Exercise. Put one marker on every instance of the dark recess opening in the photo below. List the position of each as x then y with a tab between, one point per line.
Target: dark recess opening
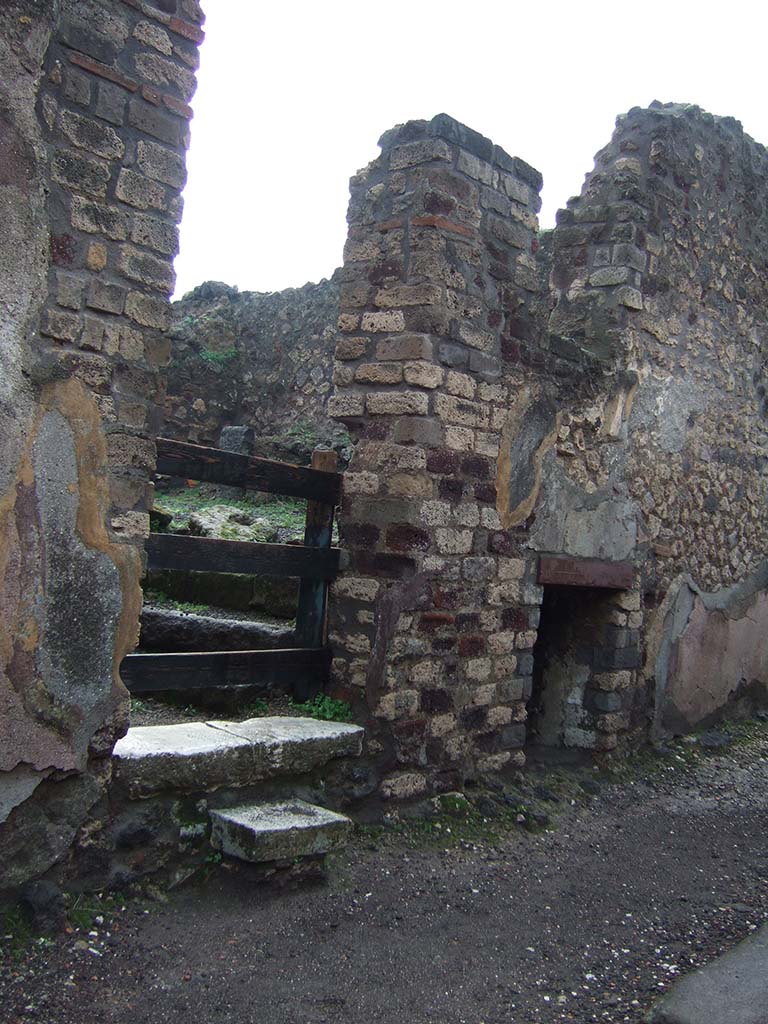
574	631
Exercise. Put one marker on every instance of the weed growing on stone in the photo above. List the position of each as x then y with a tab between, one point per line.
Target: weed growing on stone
325	708
256	709
16	933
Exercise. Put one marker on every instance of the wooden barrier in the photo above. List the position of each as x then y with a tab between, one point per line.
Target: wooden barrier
302	671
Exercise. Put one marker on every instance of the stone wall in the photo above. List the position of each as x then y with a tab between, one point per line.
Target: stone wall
93	127
262	360
596	397
682	287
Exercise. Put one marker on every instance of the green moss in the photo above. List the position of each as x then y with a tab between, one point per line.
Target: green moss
221	358
162	600
454	803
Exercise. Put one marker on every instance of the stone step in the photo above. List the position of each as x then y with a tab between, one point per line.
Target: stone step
732	989
277	831
164	629
199	757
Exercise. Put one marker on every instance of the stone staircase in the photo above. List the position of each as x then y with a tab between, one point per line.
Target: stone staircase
236	788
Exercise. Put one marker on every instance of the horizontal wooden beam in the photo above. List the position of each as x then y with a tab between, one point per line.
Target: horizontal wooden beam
196	462
585	572
291	670
206	554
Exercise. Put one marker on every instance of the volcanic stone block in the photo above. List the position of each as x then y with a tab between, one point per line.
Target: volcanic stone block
283	831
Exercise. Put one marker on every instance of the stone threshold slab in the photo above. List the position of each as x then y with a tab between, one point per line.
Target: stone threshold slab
730	990
203	756
277	831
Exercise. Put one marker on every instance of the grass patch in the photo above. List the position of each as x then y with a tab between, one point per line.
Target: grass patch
19	938
16	933
455	821
684	753
138	706
269	515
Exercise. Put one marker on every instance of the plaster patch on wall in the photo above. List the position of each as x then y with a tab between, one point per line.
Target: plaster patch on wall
608	530
667	410
528	434
707	651
70	597
23	251
571	522
82	586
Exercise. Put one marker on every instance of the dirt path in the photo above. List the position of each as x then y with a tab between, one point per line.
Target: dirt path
588	922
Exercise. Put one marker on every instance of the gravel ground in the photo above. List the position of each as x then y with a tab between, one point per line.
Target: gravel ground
641	880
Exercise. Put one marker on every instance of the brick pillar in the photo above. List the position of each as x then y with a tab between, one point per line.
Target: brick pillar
437	289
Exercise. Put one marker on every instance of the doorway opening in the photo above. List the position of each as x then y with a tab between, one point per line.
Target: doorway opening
583	656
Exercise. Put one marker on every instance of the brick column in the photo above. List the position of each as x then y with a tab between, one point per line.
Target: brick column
433	621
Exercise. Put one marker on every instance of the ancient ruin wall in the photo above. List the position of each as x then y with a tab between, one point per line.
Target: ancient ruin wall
261	360
609	409
94	122
679	291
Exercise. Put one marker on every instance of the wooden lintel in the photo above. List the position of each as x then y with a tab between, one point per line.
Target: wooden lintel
585	572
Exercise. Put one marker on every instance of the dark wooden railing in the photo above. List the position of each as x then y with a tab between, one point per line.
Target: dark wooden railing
302	670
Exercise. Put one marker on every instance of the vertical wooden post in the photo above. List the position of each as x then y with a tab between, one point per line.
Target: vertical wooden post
313	594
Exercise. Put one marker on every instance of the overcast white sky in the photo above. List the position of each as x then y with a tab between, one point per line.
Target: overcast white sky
293	96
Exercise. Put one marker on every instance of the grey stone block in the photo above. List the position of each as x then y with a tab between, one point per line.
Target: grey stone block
488	368
453	355
609	660
525	664
236	439
607	701
512	736
110	103
281	831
